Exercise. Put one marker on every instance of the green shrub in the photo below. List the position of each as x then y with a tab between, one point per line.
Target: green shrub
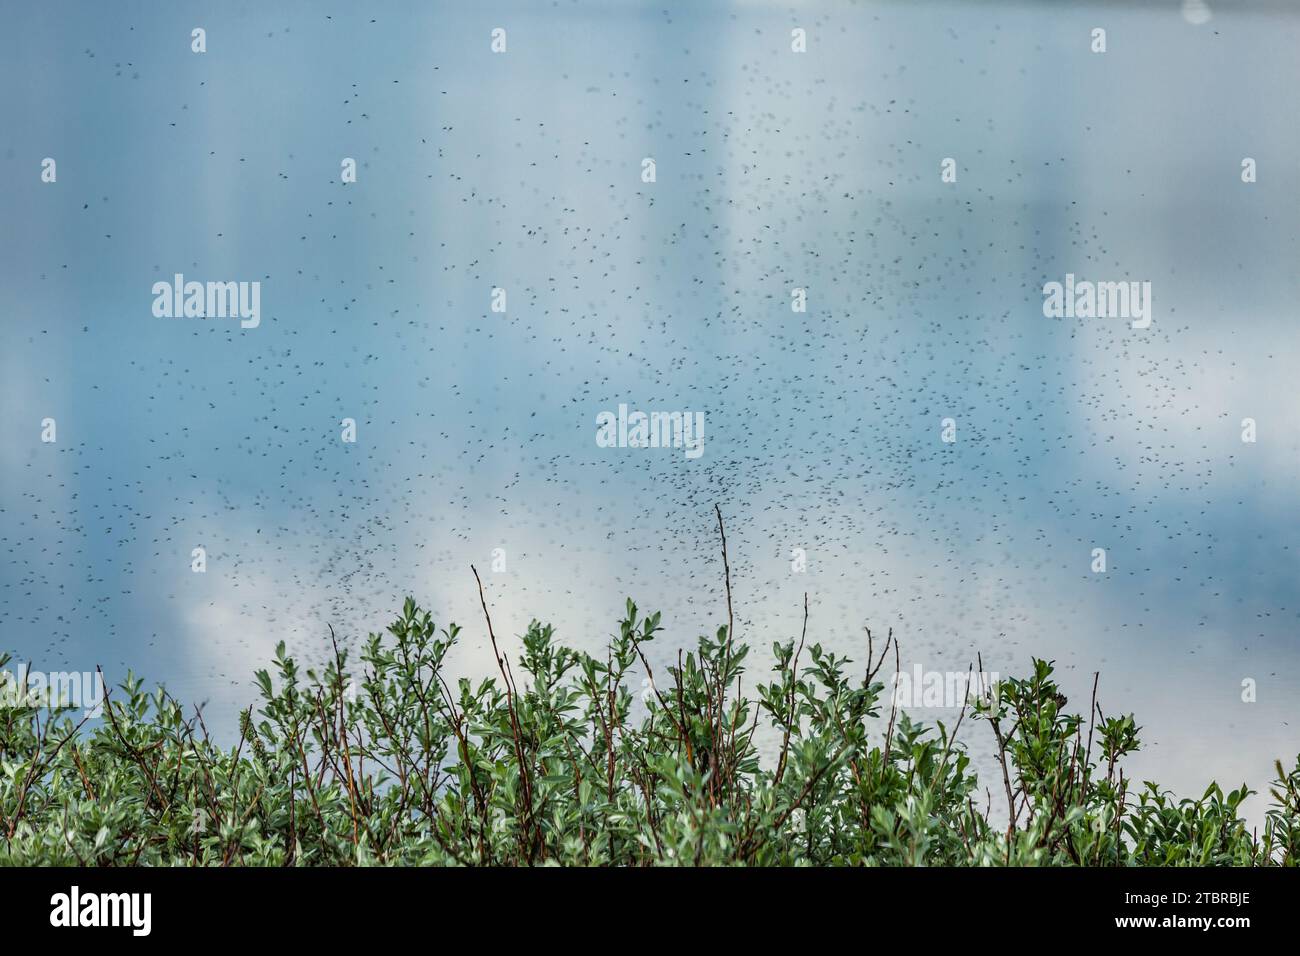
401	763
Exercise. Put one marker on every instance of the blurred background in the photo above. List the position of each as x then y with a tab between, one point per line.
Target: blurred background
774	170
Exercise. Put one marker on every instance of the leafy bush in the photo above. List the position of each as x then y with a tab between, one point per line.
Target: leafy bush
402	763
